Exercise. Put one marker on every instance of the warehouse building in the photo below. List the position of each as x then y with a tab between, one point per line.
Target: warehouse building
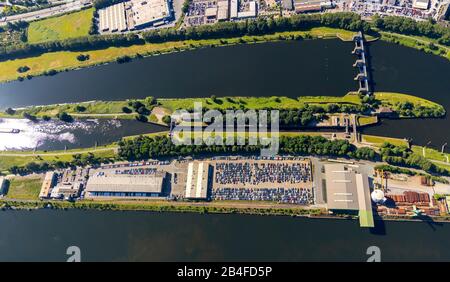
149	12
113	18
421	4
198	180
103	185
49	181
345	189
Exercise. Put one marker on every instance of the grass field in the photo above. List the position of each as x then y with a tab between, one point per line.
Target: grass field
391	99
9	158
25	188
431	154
71	25
65	60
378	140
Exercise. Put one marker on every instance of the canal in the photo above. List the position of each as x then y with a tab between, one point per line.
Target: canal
298	68
147	236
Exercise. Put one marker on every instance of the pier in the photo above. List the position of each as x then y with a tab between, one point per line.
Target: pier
362	64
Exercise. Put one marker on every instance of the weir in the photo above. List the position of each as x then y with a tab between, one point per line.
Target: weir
361	64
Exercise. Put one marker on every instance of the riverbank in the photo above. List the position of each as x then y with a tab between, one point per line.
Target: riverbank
424	44
67	60
260	209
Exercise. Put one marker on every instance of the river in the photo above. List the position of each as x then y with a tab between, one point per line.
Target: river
288	68
44	235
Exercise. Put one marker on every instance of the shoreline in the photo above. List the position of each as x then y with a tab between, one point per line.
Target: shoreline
175	207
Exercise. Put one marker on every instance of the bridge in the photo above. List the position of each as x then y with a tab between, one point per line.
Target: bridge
362	64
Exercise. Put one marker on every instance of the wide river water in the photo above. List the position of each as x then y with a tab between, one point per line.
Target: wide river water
147	236
314	67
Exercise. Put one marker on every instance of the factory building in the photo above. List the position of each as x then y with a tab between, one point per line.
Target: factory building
66	190
251	12
149	12
304	6
198	180
134	14
49	181
345	189
103	185
421	4
113	18
223	10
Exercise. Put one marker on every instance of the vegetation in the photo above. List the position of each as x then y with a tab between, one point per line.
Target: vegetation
403	156
404	25
379	140
83	57
63	27
399	170
410	106
24	188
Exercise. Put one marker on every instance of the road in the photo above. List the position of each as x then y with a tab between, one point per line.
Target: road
49	12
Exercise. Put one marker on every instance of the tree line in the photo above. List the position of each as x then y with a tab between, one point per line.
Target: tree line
409	26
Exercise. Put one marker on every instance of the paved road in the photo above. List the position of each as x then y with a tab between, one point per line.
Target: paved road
49	12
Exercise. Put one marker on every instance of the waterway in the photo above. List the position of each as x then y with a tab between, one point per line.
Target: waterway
298	68
146	236
58	135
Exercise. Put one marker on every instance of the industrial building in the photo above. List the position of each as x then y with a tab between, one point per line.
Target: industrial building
113	18
66	190
134	14
149	12
108	185
198	180
303	6
421	4
49	181
345	189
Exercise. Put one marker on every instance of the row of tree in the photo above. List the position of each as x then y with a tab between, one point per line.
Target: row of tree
409	26
145	147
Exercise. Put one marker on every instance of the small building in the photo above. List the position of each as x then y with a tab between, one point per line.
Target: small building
66	190
102	185
223	12
211	13
287	5
49	182
198	180
421	4
346	189
385	112
252	11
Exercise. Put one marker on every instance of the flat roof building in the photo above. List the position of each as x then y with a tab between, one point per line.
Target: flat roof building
197	180
66	190
124	186
346	189
421	4
112	18
251	12
49	181
223	10
148	12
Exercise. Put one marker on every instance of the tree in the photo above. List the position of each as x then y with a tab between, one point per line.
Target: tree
80	108
166	119
126	110
10	111
63	116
